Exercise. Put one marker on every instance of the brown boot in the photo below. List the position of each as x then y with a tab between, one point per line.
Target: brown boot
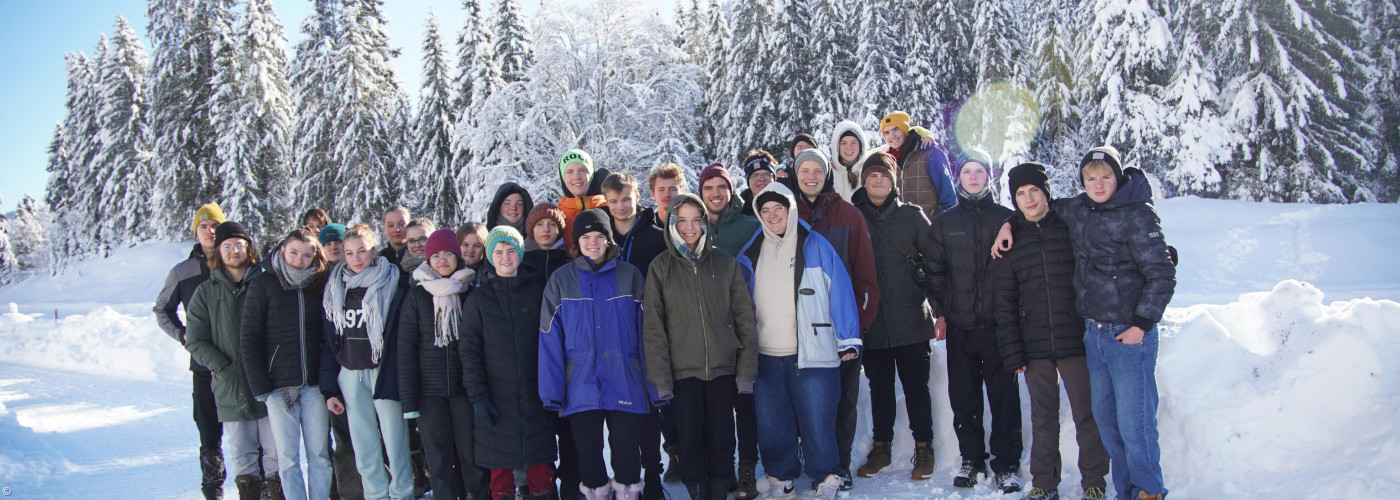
877	460
923	462
673	471
249	487
747	488
272	488
1142	495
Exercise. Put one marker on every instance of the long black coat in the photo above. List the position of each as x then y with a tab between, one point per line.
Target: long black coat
425	370
280	333
499	349
959	244
905	316
1034	294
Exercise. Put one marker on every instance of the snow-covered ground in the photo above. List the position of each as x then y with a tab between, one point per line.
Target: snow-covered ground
1277	371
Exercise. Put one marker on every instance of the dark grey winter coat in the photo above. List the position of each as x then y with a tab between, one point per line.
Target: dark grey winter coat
425	370
493	213
499	350
959	244
1123	272
1034	294
905	316
178	290
280	333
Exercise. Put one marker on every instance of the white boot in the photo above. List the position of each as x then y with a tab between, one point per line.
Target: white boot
770	487
603	492
828	488
627	491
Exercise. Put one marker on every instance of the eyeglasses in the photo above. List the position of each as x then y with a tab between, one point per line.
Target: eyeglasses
418	241
773	210
762	174
234	247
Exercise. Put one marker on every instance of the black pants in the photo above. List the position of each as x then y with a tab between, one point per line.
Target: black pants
446	426
912	364
651	441
624	438
746	426
703	412
211	433
347	477
974	362
567	472
846	412
668	426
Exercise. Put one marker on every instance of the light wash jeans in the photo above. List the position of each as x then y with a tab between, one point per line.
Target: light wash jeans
299	417
244	438
369	418
1123	381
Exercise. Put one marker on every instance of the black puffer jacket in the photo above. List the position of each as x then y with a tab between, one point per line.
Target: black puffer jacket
540	263
1034	294
425	370
905	316
959	243
644	242
280	333
493	214
499	349
1123	271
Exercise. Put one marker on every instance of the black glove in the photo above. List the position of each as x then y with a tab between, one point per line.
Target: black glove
486	412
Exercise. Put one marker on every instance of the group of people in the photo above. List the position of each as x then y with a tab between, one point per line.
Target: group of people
715	324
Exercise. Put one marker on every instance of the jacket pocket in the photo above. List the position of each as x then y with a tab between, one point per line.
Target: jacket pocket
818	343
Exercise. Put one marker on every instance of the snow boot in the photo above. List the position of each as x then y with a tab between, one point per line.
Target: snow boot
272	488
421	482
876	460
846	482
967	474
627	491
673	466
1094	493
603	492
249	487
923	462
653	490
1008	482
1042	494
827	489
211	483
745	487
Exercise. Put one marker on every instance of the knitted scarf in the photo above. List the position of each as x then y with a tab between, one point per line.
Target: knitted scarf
447	301
379	281
290	277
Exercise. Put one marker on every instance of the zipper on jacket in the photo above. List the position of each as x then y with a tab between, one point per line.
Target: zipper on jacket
704	331
301	326
1045	268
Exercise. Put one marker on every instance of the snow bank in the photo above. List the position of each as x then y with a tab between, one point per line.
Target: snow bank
25	459
102	342
127	282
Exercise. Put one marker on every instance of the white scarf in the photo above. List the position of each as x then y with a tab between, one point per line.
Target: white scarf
446	301
379	281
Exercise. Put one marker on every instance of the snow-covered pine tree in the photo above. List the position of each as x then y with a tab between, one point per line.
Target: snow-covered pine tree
365	98
432	178
795	65
995	120
71	160
29	234
835	33
943	61
714	80
1294	86
1126	62
512	42
1384	30
311	75
255	154
478	71
9	262
880	86
123	163
1201	138
750	107
1058	143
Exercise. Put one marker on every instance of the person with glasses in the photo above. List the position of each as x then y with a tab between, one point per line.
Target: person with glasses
212	338
759	168
416	242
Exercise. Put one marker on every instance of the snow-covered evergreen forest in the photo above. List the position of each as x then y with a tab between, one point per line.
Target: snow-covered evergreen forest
1263	100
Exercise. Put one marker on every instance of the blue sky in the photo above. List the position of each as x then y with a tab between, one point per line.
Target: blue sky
34	35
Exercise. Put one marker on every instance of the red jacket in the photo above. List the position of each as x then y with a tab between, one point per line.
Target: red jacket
844	226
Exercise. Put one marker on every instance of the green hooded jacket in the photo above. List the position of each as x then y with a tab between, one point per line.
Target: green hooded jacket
733	230
211	337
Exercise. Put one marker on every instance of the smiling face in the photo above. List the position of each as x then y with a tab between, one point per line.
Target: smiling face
395	224
576	179
1099	181
233	253
297	254
878	185
622	205
662	190
716	194
545	233
849	147
760	179
358	255
690	223
1031	200
332	251
417	240
594	245
513	208
810	177
505	259
472	249
444	262
894	136
973	177
774	216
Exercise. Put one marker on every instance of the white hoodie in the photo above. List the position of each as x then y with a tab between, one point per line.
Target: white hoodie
841	181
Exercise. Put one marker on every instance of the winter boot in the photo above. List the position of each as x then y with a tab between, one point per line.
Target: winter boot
746	485
1094	493
522	492
1143	495
272	488
923	462
876	460
771	488
1042	494
653	490
249	487
673	466
967	474
846	482
1008	482
421	482
603	492
827	489
627	491
211	465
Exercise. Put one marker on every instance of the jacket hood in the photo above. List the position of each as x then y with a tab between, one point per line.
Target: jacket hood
595	181
861	199
493	214
674	242
791	231
1136	191
841	129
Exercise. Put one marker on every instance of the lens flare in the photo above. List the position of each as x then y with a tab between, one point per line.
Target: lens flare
1001	118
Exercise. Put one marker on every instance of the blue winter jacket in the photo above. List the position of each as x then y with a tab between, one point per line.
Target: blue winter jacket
826	304
591	355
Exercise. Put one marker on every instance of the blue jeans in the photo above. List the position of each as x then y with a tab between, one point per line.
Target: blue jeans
1123	380
305	421
787	400
371	419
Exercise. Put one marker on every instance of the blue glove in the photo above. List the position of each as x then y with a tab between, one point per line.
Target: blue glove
486	412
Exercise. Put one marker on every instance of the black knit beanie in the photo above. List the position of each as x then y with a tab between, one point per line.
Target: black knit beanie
230	230
1032	173
592	220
